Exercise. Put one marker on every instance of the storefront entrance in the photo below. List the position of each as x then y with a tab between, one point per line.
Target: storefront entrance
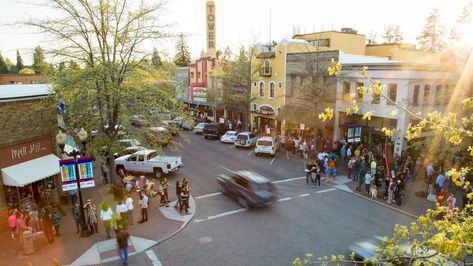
43	193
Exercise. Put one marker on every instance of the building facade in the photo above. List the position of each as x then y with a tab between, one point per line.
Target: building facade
29	167
417	88
6	79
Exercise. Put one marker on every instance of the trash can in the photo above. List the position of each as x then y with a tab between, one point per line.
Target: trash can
28	243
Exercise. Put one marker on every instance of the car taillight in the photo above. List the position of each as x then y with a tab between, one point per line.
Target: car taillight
168	166
252	191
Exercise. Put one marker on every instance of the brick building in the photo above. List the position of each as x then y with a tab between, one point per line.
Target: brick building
28	165
6	79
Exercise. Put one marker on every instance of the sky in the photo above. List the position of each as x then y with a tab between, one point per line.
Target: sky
243	22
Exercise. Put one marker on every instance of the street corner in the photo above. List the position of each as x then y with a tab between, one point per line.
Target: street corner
172	213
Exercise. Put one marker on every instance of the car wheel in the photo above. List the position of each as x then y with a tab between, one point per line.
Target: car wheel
243	203
158	173
256	154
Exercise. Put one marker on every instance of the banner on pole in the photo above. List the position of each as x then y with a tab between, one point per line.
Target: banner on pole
68	173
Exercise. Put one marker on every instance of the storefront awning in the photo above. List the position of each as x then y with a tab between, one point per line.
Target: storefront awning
30	171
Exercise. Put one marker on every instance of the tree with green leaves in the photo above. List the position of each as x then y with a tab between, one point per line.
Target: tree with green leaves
19	61
113	81
39	65
432	36
156	61
3	66
183	57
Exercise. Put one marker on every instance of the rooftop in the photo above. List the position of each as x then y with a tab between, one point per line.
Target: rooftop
12	92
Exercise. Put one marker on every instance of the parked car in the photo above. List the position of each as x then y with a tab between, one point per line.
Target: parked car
229	137
248	188
199	128
138	121
129	150
245	139
187	125
149	161
158	135
267	145
214	130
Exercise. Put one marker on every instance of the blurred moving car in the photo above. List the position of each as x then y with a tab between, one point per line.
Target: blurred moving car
229	137
248	188
199	128
214	130
245	139
267	145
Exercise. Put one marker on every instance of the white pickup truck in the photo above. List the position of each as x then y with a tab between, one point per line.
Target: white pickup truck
149	161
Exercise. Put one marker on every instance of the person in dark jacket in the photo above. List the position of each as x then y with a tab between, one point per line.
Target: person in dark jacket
122	242
178	194
309	169
47	223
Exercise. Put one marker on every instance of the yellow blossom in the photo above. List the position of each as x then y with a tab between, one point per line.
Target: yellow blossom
394	113
367	115
377	88
363	70
470	149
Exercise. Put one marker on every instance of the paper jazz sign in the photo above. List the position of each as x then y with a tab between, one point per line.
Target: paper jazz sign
68	173
25	151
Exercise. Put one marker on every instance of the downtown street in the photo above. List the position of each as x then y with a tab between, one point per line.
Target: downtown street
303	219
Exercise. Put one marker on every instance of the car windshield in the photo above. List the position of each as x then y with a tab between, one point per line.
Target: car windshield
264	143
153	154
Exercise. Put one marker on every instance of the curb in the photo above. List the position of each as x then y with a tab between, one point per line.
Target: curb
375	201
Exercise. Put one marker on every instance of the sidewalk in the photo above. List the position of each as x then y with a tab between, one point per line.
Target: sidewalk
70	248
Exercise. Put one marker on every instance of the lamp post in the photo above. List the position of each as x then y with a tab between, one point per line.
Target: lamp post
61	140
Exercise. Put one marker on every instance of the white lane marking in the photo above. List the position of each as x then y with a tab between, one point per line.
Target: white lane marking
152	256
273	158
209	195
250	153
233	146
288	180
303	195
284	199
326	190
225	214
217	141
199	220
226	168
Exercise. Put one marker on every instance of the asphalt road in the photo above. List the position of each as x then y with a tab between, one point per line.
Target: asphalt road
322	221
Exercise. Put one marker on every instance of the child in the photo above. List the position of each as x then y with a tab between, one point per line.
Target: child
391	188
373	189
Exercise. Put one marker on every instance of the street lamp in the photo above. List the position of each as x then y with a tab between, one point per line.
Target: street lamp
61	140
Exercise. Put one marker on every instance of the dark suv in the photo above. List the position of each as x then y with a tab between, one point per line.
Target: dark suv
214	130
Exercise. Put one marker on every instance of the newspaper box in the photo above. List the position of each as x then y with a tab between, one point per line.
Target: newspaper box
28	243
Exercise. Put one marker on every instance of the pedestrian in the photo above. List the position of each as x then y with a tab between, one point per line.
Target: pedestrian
144	207
12	223
309	169
441	197
185	194
34	219
129	208
56	222
77	216
418	167
361	175
21	227
397	192
451	201
343	152
46	219
122	211
318	174
164	186
122	242
288	147
429	177
105	172
106	215
350	165
373	166
367	182
391	188
333	166
178	195
439	182
91	216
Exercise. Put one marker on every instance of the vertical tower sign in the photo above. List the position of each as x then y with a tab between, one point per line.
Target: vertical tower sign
211	30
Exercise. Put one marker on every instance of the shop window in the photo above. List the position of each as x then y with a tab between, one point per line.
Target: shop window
261	89
271	90
426	94
415	97
346	91
392	90
359	95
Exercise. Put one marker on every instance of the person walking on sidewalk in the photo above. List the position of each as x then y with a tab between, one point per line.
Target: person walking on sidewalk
106	215
122	210
105	173
77	217
129	208
185	194
144	207
367	182
21	227
91	216
178	195
318	174
57	222
165	186
12	224
122	242
47	223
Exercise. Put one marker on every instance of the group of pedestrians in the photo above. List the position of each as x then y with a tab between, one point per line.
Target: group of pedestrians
182	193
45	221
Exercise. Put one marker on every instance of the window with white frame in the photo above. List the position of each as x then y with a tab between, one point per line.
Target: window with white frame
271	88
261	89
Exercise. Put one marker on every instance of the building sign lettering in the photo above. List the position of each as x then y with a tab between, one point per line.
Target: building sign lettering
211	34
26	151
